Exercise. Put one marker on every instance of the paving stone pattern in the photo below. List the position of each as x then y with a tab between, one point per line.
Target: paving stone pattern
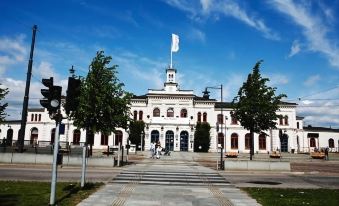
169	182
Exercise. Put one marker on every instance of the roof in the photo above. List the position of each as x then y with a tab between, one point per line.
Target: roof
11	122
288	103
202	98
139	97
223	105
36	109
299	118
320	129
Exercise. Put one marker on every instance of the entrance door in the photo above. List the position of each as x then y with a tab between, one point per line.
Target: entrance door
169	141
154	136
284	143
34	136
184	141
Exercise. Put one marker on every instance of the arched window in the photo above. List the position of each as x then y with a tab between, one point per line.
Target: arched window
286	120
156	112
76	137
204	117
234	120
199	117
183	113
135	115
281	121
220	118
34	136
104	139
155	136
221	139
36	117
140	115
331	143
248	141
32	117
118	137
298	125
312	142
39	117
262	142
170	112
234	141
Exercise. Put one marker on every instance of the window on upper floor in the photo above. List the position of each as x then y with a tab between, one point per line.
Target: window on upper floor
286	120
32	117
36	117
199	117
156	112
135	115
220	119
140	115
234	120
281	121
170	112
39	117
204	117
298	125
183	113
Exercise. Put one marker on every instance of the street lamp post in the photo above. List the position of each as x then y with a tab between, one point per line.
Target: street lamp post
141	135
222	166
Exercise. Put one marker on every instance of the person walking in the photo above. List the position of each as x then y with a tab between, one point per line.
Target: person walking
158	148
326	153
152	149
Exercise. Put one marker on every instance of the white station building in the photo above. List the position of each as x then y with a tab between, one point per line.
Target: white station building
170	116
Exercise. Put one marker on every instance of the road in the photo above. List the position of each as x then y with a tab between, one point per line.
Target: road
66	174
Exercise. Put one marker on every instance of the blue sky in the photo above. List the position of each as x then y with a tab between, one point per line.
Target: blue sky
220	41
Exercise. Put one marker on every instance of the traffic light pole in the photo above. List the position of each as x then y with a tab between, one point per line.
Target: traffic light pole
55	155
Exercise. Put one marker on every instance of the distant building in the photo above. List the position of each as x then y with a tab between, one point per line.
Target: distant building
170	116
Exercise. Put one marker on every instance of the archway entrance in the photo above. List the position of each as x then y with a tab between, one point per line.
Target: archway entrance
155	136
34	136
9	137
184	141
169	141
284	143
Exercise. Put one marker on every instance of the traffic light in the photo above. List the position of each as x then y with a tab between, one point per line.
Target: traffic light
52	96
73	93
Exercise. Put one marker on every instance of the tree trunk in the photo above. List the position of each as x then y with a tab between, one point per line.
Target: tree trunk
251	143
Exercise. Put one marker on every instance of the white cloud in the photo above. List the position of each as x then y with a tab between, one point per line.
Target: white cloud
12	52
229	8
314	29
295	48
278	79
196	34
310	81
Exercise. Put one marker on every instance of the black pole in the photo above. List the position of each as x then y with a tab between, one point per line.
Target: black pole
26	97
222	166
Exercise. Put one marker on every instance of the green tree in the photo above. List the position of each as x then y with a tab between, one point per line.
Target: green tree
3	93
136	128
256	105
202	137
103	103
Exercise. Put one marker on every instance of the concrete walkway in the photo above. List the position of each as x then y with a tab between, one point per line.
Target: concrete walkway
175	180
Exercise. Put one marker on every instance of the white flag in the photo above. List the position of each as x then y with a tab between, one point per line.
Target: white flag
175	43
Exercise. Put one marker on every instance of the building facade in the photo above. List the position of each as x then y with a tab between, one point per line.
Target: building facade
170	116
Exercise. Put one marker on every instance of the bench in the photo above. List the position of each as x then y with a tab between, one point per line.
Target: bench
275	154
231	154
318	155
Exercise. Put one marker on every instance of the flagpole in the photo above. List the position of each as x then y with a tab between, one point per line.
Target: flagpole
171	54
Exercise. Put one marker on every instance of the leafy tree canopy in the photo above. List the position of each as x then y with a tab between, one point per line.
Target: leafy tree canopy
136	128
103	103
3	93
202	137
256	104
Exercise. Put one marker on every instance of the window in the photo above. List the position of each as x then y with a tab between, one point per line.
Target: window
156	112
298	125
281	121
32	117
170	112
220	118
199	116
135	115
247	141
204	117
234	141
104	139
140	115
39	117
36	117
76	137
118	137
331	143
286	120
183	113
262	142
312	142
234	120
